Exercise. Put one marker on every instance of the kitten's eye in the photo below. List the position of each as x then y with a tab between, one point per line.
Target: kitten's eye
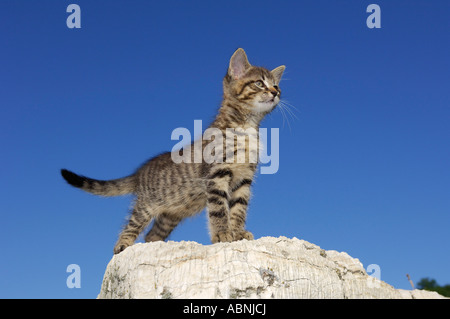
259	84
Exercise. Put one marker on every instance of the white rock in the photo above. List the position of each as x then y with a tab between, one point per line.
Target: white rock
264	268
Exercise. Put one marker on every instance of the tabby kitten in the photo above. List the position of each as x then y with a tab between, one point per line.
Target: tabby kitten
168	192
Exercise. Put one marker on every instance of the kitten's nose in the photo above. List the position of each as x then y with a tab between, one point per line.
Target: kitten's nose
274	92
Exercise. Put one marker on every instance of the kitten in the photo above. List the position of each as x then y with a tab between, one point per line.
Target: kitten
168	192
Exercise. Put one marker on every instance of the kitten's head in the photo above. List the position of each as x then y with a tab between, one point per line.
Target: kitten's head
256	88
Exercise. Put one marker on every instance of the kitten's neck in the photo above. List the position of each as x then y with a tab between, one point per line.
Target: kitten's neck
233	115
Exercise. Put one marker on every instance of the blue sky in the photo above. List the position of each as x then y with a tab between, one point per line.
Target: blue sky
364	168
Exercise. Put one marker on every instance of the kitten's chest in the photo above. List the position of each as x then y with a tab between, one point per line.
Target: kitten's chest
242	145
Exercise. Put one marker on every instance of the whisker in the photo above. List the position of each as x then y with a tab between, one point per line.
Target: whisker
283	115
292	109
290	105
283	110
291	112
287	118
288	111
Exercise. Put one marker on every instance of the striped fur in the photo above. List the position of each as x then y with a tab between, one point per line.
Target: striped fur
167	192
116	187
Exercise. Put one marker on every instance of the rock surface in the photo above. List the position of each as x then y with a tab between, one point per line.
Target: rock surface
264	268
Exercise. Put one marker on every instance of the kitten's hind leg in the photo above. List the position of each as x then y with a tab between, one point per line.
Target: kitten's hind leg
162	227
139	219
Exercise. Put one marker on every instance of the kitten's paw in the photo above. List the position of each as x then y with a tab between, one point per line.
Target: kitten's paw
243	234
222	236
121	246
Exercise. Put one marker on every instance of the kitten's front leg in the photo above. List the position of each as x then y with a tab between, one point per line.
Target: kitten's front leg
240	196
217	204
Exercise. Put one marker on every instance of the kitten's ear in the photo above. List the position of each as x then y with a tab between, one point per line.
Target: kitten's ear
238	64
278	73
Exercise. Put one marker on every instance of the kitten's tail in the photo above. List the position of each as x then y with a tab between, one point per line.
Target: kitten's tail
115	187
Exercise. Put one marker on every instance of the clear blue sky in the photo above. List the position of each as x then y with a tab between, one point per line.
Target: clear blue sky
364	169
